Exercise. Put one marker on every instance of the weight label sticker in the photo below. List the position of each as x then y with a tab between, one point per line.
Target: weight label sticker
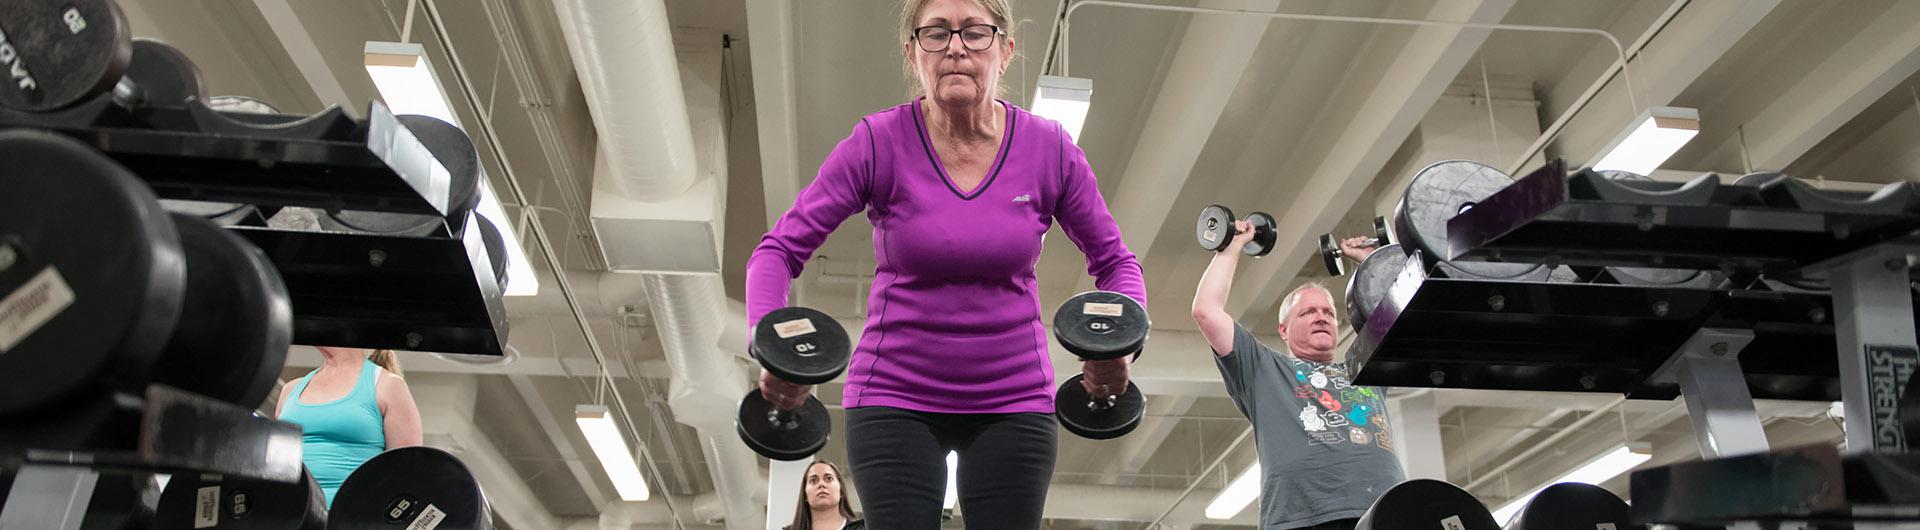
1888	368
1210	236
1105	310
206	507
1604	526
793	328
1452	523
31	306
429	519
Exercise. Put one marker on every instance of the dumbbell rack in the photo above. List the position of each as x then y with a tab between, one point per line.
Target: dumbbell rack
435	293
1717	348
58	459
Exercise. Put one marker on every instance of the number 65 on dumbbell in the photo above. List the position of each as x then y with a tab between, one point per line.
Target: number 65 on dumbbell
1215	231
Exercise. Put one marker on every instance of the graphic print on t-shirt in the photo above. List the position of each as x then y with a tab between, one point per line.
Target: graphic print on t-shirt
1336	410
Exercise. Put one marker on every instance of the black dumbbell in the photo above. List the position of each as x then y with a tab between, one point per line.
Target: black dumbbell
1573	505
1330	252
194	500
129	295
1426	503
801	346
1215	231
455	151
226	213
63	54
1100	325
410	487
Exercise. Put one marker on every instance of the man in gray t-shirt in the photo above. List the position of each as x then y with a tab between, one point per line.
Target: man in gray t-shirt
1326	451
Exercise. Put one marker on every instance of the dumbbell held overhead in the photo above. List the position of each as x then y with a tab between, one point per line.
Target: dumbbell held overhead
799	346
1215	231
1330	251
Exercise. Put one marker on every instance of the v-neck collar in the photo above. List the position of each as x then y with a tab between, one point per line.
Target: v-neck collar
999	157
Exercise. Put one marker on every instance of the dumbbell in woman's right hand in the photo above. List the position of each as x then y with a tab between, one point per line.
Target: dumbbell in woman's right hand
782	394
797	348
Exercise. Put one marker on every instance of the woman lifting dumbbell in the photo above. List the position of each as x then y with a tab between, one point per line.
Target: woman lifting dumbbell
960	187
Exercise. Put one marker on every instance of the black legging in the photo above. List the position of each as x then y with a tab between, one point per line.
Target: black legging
899	465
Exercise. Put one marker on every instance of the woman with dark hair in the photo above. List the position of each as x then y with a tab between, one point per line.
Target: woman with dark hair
823	501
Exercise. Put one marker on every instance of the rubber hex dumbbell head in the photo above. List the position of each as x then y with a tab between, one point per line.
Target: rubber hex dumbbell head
801	345
1214	229
782	435
1098	419
1101	325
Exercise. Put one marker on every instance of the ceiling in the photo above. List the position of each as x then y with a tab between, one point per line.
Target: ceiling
1319	123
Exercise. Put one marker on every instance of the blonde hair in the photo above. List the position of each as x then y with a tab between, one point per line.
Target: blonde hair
386	359
1001	10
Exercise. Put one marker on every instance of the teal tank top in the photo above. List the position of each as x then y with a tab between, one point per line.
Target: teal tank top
340	434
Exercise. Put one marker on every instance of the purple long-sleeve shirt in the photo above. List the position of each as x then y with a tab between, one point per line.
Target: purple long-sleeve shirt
954	323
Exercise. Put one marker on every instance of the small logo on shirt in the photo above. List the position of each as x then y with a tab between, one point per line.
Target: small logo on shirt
1023	198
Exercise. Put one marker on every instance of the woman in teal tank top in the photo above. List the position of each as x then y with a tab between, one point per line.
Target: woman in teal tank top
353	407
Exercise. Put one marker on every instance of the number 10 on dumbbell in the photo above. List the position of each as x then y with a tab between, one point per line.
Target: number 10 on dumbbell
800	346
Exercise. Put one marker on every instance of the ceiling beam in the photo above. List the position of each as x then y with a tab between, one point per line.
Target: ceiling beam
305	52
1138	447
1876	59
1213	55
1697	37
1391	87
770	25
543	415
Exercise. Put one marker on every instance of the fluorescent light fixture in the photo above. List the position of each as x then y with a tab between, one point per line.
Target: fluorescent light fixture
1239	493
403	75
405	79
596	423
1620	459
1065	100
953	480
1657	134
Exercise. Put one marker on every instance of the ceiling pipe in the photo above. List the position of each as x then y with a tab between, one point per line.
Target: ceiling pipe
656	187
464	81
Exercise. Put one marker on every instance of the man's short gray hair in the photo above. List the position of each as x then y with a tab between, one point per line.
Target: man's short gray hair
1293	297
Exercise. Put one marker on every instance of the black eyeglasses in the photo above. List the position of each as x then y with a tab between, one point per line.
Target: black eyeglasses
977	37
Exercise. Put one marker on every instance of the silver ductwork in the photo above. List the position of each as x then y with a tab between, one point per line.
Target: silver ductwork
659	189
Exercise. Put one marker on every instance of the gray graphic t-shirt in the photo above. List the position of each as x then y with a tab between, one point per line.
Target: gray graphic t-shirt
1326	451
